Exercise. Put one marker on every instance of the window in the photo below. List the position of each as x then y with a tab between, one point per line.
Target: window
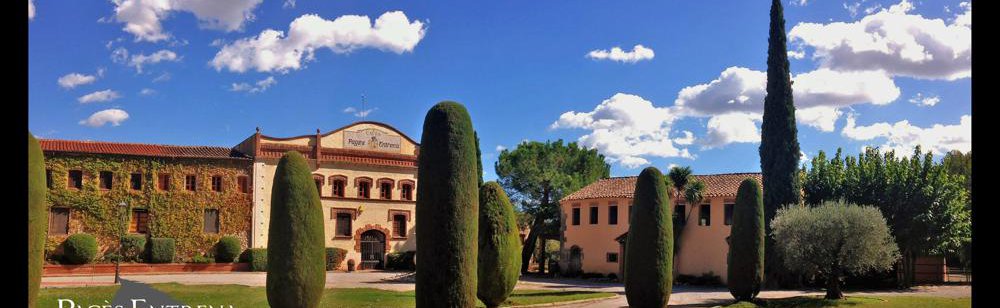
407	192
106	178
576	216
613	214
728	211
217	183
612	257
399	225
705	215
58	221
140	221
191	182
48	178
593	215
211	221
343	224
163	181
338	187
75	179
244	183
385	190
136	180
679	214
318	179
364	190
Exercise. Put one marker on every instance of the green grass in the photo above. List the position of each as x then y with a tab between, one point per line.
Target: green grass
243	296
859	302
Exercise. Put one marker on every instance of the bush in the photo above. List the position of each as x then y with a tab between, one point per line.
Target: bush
499	246
745	261
649	248
334	257
133	247
227	249
296	260
38	217
202	259
402	261
448	208
161	250
257	257
80	248
705	279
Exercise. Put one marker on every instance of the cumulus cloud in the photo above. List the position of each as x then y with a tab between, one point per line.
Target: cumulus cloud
99	96
894	41
147	92
273	50
143	18
687	139
731	128
98	119
73	80
902	136
500	148
138	60
925	101
31	10
259	86
359	113
625	128
637	54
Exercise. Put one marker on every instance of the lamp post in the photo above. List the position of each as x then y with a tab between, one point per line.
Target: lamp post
121	234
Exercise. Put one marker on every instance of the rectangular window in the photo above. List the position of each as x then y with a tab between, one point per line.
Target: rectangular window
385	191
630	212
576	216
399	225
136	180
612	214
407	192
48	178
58	221
612	257
364	190
679	214
244	183
75	179
163	181
191	182
338	188
705	215
140	221
106	178
593	215
319	184
728	211
343	224
211	221
217	183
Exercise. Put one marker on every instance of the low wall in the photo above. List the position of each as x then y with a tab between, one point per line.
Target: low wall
930	269
142	268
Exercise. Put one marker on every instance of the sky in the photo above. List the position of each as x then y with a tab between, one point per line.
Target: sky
657	83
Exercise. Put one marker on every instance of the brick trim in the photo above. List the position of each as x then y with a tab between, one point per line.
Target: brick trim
386	233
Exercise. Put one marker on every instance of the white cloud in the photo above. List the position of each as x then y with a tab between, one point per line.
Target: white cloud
637	54
921	100
500	148
31	10
73	80
799	2
731	128
359	113
142	18
147	92
163	77
688	138
902	136
259	86
796	54
288	4
894	41
138	60
98	119
272	50
964	19
624	128
99	96
852	8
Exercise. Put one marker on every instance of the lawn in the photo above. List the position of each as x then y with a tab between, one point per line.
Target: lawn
859	302
243	296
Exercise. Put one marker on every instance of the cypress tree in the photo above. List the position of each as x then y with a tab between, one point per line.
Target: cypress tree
296	255
649	248
779	145
499	246
38	218
448	207
746	243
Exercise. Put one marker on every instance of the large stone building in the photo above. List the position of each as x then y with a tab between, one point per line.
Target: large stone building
596	221
365	172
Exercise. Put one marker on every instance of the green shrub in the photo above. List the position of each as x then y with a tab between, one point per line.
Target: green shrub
257	257
227	249
403	261
38	218
499	262
296	271
80	248
649	247
161	250
448	207
133	247
202	259
334	257
745	268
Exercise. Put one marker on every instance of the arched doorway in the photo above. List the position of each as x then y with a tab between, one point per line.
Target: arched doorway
372	249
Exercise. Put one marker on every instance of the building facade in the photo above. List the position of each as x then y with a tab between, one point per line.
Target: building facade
596	220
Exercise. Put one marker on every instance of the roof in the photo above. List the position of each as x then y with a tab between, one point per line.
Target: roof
139	149
716	185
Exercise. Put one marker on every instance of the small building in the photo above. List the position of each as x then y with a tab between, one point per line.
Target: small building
595	225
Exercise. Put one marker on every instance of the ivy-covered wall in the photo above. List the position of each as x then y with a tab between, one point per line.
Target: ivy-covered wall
177	213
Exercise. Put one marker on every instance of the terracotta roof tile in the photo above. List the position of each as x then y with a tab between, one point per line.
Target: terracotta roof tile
139	149
716	185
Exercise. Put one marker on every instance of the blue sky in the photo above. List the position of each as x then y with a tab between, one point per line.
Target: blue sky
882	73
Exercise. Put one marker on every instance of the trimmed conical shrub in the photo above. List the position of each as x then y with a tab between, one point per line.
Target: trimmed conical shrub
499	246
649	247
746	243
38	218
448	207
296	269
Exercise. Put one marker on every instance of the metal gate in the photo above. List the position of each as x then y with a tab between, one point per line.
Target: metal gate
372	249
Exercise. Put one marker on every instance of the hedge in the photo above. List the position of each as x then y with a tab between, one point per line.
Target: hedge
227	249
499	246
403	261
161	250
334	257
80	248
257	257
649	248
133	247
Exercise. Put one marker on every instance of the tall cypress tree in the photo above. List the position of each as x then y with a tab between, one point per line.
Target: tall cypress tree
38	218
779	145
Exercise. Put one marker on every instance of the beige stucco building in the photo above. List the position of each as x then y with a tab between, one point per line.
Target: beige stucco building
595	222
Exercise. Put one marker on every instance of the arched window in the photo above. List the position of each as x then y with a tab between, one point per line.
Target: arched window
385	188
339	183
318	179
364	185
